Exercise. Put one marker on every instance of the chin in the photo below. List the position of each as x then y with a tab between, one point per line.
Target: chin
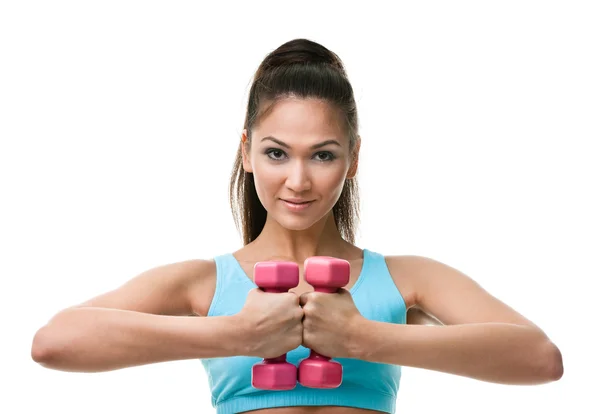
296	223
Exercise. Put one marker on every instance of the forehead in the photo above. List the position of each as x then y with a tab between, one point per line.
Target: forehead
294	118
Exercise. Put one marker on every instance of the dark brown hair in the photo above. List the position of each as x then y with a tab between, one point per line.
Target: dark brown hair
304	69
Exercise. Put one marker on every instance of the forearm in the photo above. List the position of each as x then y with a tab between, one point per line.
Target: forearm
492	352
90	339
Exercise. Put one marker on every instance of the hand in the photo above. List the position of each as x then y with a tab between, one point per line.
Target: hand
330	322
272	323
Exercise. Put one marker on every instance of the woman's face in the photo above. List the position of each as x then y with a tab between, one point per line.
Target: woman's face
300	158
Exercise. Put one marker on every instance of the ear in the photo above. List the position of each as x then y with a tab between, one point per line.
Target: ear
354	165
245	147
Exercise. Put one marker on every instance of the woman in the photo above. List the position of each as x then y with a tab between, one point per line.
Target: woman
294	195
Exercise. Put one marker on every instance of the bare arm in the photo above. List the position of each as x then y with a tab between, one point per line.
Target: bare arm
101	339
147	320
494	352
479	336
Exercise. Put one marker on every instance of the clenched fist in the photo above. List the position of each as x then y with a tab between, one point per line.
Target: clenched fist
330	322
274	323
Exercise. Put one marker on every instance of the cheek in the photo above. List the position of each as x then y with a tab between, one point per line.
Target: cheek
266	179
336	190
333	180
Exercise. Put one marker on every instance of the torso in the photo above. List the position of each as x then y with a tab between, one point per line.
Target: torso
246	260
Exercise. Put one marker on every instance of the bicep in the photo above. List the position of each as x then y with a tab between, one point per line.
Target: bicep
455	298
163	290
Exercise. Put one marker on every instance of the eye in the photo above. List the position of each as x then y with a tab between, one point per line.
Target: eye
325	156
275	154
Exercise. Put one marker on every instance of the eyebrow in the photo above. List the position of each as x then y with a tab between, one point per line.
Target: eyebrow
319	145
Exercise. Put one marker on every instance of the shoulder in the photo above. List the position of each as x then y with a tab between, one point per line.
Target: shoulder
201	284
401	271
409	271
418	268
166	289
409	265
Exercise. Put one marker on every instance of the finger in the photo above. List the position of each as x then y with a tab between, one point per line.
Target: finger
303	299
295	297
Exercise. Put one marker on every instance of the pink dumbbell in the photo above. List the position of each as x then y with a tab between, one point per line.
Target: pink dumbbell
325	274
275	373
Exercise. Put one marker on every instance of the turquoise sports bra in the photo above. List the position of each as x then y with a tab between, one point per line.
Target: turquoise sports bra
365	384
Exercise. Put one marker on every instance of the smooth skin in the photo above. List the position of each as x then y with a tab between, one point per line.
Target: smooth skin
299	151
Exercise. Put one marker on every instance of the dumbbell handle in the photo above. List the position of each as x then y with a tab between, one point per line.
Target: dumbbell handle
276	360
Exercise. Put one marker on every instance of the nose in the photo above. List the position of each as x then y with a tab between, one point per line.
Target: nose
298	179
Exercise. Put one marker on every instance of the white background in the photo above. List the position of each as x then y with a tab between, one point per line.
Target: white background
119	122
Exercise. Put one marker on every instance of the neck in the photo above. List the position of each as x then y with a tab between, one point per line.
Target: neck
321	239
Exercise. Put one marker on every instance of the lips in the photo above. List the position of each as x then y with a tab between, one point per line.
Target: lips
296	201
297	205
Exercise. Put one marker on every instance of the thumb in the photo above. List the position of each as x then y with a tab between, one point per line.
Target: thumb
303	299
